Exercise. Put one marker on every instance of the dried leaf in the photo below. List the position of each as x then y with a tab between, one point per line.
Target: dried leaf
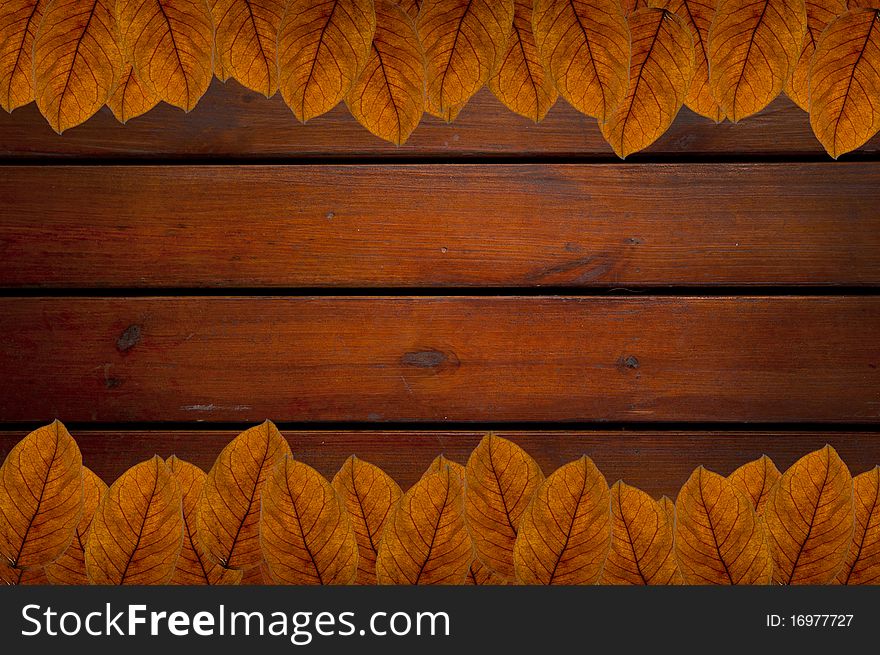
41	497
305	531
565	533
426	540
170	43
447	116
755	479
845	82
660	74
481	575
631	6
863	4
70	568
19	20
411	7
228	523
21	577
500	480
137	531
718	537
641	540
668	506
752	47
440	464
862	564
819	14
388	98
585	46
810	519
323	45
131	98
77	62
370	495
462	40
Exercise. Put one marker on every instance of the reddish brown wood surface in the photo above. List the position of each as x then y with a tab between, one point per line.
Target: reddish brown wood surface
233	122
440	225
440	359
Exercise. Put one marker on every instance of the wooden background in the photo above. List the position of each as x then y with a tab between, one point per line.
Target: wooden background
167	283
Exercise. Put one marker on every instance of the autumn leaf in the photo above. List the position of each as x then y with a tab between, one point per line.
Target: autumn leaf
41	497
19	20
668	507
481	575
862	565
863	4
631	6
137	532
810	519
228	523
411	7
170	43
388	98
70	568
752	47
755	479
565	533
718	537
462	39
259	575
21	577
426	540
845	82
76	61
131	98
447	116
440	464
819	14
369	495
500	480
585	46
323	45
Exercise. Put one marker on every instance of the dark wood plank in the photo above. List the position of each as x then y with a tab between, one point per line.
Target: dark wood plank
233	122
658	462
440	225
440	359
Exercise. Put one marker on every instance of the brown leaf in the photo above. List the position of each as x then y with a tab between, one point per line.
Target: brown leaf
228	523
565	533
447	116
500	480
819	14
21	577
668	506
481	575
70	568
585	46
170	43
370	495
137	531
19	20
305	531
752	47
718	537
246	38
809	517
755	479
862	564
845	82
131	98
426	540
41	497
440	464
388	98
863	4
660	74
323	45
462	39
259	575
520	80
411	7
641	540
631	6
698	14
77	62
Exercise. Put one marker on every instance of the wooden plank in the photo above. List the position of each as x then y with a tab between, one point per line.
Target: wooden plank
233	122
441	359
658	462
440	225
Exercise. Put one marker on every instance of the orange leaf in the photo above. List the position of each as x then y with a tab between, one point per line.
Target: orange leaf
810	519
565	533
863	4
370	496
481	575
19	20
323	45
668	507
585	46
228	523
41	497
862	564
77	62
440	464
845	82
755	479
447	116
131	98
137	531
21	577
411	7
305	531
752	47
462	40
70	568
426	540
718	537
501	479
388	98
631	6
259	575
170	43
819	14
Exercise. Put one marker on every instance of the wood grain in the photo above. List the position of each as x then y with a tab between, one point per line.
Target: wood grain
379	226
386	359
